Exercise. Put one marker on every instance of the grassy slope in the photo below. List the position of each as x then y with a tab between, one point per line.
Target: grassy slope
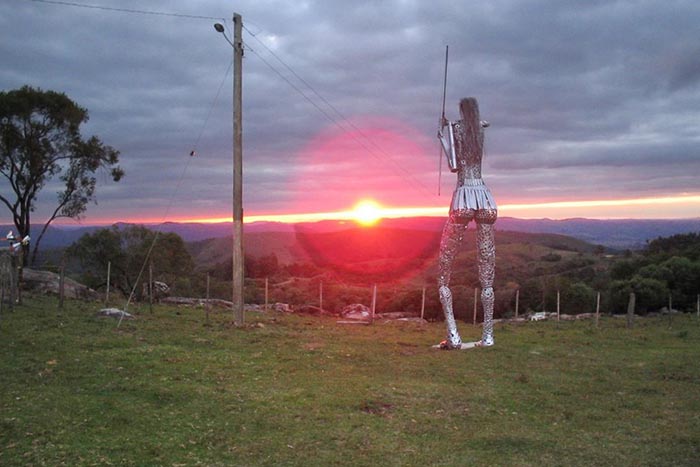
168	390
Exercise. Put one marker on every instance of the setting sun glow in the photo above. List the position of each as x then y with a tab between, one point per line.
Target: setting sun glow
367	212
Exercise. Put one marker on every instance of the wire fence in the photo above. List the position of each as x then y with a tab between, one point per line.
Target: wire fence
320	294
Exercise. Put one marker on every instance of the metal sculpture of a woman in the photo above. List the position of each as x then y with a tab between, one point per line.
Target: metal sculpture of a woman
463	143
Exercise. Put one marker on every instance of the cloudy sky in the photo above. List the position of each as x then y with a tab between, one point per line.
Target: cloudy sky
594	105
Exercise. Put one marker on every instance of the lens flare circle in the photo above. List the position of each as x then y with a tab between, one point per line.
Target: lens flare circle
367	212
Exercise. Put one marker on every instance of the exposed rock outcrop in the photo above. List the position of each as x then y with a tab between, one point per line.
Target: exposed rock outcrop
46	282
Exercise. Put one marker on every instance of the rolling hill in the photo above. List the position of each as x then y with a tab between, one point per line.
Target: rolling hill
613	233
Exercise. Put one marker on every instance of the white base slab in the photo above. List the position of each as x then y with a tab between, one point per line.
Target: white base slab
464	346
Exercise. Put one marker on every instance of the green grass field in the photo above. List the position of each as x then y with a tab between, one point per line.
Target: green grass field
170	389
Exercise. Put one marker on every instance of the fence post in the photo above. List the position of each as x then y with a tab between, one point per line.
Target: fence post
267	289
630	310
374	300
558	314
13	283
62	283
208	305
109	272
697	307
320	295
150	287
2	283
422	305
517	301
597	310
475	299
20	275
5	278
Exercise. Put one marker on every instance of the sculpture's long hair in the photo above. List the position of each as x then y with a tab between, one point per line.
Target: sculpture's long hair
473	132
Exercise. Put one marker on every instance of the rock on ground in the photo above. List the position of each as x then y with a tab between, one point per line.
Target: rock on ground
115	313
46	282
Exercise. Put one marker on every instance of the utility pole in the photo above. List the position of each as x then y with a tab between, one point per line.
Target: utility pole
238	314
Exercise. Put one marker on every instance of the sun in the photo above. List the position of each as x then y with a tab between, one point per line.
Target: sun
367	212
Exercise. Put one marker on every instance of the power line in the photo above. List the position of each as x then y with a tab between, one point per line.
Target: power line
344	119
333	120
293	86
123	10
211	108
175	190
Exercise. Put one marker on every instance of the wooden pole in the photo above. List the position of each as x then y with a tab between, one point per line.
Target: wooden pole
266	292
517	301
237	258
374	300
597	310
320	295
630	310
422	305
109	272
475	299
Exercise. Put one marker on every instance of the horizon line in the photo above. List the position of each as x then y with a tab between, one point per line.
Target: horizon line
505	210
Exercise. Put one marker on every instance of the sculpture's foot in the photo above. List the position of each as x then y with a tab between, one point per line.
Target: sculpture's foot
453	341
485	342
447	345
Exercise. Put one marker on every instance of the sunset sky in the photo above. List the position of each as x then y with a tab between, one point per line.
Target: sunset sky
594	105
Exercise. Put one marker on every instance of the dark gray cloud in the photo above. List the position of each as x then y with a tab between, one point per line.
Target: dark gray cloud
587	99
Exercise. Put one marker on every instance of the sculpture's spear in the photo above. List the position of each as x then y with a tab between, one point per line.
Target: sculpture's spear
442	116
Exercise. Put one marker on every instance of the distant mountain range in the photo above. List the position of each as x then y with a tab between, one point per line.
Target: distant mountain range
617	234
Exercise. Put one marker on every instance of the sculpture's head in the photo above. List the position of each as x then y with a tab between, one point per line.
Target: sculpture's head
473	125
469	109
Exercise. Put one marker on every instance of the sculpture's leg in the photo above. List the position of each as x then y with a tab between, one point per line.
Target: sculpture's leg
449	245
486	248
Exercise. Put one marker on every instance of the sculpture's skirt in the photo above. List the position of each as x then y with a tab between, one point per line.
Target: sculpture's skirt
473	194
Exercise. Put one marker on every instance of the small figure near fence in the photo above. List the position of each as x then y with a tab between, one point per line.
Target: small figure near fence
462	142
10	269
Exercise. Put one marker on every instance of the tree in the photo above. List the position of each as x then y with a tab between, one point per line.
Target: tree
579	297
651	294
40	139
687	245
127	249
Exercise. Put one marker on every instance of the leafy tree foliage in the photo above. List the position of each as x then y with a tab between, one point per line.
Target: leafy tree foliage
651	294
579	297
687	245
40	139
258	268
626	268
127	249
668	266
265	266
